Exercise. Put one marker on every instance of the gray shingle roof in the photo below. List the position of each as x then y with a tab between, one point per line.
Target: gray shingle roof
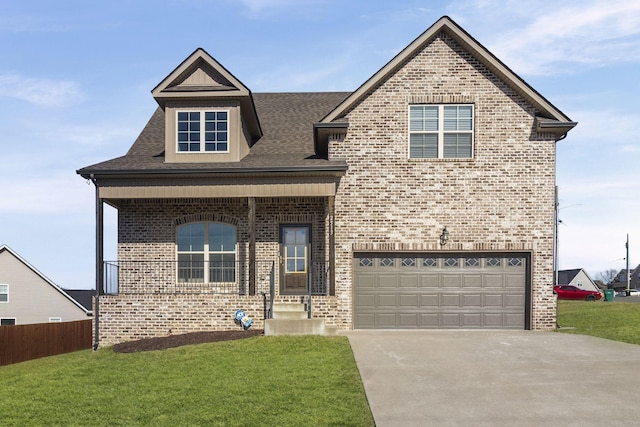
566	276
287	122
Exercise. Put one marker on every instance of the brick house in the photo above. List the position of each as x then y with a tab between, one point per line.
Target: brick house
423	199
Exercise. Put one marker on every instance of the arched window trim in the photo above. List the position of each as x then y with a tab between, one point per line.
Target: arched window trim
210	261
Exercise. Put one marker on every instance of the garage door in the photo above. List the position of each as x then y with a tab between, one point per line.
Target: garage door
439	291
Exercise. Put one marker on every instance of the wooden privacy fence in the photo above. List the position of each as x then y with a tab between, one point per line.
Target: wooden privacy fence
20	343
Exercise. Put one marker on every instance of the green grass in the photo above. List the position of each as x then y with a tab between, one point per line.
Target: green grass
617	321
260	381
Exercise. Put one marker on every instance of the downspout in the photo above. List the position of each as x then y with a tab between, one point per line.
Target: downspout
99	262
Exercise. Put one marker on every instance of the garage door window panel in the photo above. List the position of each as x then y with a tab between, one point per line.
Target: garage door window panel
366	262
472	262
429	262
493	262
386	262
515	262
408	262
451	262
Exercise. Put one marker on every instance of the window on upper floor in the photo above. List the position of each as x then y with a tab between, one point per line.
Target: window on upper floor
4	293
202	131
7	321
206	253
441	131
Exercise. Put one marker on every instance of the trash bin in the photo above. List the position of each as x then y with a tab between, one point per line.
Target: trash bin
608	294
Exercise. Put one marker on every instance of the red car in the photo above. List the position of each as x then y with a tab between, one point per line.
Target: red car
572	292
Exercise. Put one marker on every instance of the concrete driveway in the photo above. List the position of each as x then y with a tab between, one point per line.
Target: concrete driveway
497	378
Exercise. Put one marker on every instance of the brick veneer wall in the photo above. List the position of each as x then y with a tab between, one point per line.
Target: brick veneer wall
147	230
502	199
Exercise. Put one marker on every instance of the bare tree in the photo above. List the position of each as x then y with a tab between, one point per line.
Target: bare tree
607	276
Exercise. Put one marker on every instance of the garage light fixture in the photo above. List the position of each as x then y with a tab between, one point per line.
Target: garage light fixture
444	237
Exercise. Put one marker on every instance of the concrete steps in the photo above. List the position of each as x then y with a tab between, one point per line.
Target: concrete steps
291	319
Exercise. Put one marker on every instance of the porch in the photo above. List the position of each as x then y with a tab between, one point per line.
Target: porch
185	264
149	298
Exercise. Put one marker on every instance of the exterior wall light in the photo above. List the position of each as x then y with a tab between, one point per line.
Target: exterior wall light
444	237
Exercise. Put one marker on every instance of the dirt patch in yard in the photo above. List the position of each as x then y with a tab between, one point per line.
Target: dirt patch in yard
171	341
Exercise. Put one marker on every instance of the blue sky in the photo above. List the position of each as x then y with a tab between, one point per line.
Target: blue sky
76	76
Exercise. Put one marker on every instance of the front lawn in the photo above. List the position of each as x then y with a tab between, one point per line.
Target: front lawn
619	321
260	381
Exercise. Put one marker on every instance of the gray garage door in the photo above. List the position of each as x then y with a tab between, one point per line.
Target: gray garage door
439	291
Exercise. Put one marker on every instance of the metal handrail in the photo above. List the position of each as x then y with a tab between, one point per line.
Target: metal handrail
180	277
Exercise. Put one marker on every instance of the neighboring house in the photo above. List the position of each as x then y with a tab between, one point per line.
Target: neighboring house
601	285
83	296
423	199
578	278
28	296
620	281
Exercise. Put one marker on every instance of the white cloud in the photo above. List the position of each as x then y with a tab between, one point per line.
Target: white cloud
562	35
314	77
617	128
43	92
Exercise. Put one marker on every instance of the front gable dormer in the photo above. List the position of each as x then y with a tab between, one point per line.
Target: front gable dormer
210	116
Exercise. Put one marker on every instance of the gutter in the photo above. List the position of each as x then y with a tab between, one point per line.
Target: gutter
554	126
89	173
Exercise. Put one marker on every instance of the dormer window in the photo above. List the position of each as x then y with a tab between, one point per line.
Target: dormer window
203	131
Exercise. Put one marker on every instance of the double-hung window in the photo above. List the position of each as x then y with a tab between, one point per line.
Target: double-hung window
203	131
440	131
4	293
206	253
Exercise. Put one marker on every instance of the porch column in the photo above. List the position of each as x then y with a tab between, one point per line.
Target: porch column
332	246
99	263
99	242
252	245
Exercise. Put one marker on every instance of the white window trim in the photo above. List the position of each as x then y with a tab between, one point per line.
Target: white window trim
7	285
202	131
441	132
55	319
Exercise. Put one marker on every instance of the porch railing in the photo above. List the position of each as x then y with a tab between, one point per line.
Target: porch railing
180	277
143	277
318	282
